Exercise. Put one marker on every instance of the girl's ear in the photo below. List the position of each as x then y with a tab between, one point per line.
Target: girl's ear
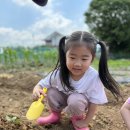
93	57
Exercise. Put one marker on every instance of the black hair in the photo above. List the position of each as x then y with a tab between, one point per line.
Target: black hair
79	38
106	78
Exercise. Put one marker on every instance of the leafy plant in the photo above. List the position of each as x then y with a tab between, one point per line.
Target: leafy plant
13	119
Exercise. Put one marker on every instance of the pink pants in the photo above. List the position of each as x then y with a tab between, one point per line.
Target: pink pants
73	104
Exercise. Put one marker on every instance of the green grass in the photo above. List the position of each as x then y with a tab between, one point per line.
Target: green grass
30	59
120	64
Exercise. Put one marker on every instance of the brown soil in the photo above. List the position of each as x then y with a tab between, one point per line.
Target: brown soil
15	98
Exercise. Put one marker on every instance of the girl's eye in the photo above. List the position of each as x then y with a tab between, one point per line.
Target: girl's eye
72	57
84	59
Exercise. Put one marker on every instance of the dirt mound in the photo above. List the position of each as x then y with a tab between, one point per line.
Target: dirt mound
19	80
15	95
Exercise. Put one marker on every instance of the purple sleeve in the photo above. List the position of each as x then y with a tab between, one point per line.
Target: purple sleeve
128	100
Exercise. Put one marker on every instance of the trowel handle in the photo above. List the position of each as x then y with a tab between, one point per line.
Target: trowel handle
42	97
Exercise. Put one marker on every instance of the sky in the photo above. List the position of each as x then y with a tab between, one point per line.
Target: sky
23	23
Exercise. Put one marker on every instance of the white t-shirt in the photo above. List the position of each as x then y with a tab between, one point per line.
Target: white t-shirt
90	85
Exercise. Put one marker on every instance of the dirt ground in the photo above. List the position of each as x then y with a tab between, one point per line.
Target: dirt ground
15	99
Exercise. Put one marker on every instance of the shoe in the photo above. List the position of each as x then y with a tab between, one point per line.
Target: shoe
53	118
74	119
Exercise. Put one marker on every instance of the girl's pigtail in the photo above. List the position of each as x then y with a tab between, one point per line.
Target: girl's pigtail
60	60
61	53
104	74
64	72
62	57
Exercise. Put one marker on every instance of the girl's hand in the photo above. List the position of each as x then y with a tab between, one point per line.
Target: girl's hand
37	92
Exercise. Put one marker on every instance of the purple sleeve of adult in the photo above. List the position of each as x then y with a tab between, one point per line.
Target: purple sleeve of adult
128	100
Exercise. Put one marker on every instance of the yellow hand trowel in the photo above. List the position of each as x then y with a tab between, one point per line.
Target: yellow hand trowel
36	108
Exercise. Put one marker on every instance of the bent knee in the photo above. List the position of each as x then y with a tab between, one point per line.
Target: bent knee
77	101
52	91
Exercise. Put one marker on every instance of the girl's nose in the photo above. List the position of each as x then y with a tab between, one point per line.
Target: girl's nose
77	63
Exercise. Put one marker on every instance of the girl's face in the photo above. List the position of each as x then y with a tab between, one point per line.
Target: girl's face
78	60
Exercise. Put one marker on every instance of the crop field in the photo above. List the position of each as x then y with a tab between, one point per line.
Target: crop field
21	70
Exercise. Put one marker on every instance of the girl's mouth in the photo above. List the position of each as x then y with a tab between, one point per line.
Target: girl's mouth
77	69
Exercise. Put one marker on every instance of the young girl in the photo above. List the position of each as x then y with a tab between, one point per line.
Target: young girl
125	112
74	85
